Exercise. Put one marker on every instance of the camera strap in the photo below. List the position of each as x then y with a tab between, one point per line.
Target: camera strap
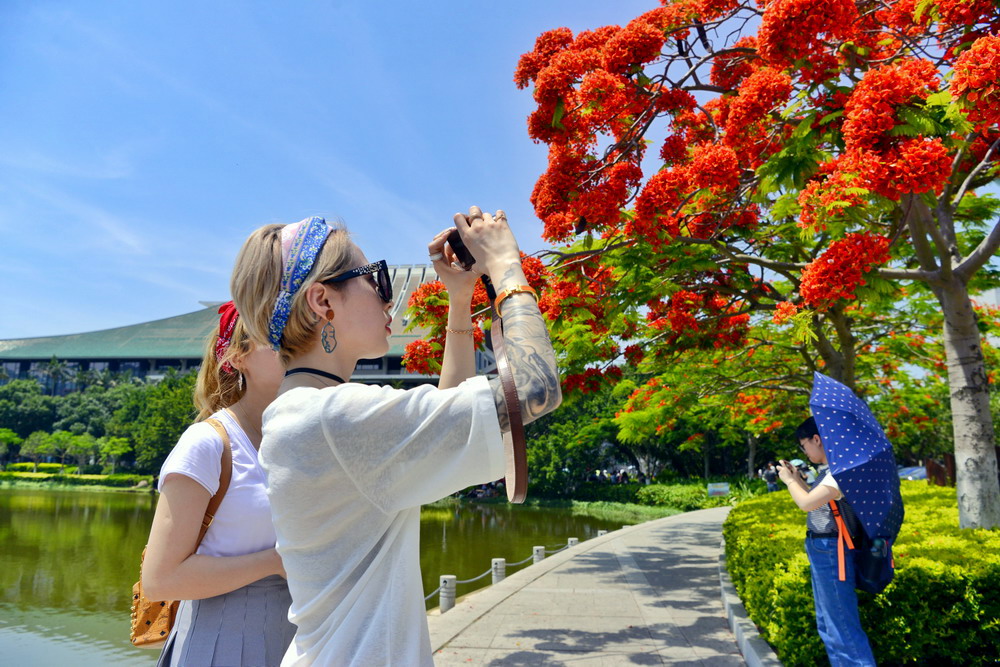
516	477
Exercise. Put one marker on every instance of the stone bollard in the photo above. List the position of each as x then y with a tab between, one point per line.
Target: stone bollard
602	532
537	554
499	570
572	542
447	594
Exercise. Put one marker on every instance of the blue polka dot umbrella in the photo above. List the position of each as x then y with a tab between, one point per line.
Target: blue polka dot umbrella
860	456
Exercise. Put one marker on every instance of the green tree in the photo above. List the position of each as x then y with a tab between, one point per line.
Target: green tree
36	446
154	418
843	147
8	439
61	443
24	407
112	449
57	371
81	447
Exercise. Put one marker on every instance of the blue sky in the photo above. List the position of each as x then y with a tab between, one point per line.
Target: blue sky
140	142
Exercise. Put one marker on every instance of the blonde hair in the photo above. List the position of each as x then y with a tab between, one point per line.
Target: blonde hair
215	388
256	282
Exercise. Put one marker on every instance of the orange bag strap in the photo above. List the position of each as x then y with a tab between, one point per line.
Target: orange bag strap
842	536
224	478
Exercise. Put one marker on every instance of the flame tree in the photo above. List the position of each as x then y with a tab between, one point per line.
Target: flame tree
713	159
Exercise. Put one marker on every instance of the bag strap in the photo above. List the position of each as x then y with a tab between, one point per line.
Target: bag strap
842	536
224	479
516	478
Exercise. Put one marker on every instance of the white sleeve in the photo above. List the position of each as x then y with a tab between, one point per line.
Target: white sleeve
408	448
198	455
828	480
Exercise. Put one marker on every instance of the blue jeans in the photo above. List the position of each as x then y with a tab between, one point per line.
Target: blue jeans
837	605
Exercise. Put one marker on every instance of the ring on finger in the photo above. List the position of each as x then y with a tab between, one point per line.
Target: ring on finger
436	256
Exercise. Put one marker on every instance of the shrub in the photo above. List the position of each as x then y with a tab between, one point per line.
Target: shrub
942	608
51	468
684	495
120	480
605	491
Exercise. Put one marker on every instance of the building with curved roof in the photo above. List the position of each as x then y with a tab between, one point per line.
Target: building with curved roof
149	349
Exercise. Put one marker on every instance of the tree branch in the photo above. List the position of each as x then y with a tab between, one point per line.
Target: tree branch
917	234
978	257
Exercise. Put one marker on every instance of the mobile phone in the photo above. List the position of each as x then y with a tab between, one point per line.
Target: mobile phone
465	257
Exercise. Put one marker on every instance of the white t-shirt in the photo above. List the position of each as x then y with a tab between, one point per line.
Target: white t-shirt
348	468
243	522
828	480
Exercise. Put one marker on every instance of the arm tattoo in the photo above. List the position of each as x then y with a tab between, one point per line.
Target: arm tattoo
532	361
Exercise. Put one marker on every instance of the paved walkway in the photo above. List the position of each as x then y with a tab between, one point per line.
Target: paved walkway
642	595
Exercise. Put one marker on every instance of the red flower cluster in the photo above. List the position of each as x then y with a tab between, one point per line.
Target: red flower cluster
794	30
430	299
977	80
701	320
715	167
839	271
428	306
892	165
871	109
756	407
966	13
729	69
591	379
823	200
784	312
421	357
637	43
759	95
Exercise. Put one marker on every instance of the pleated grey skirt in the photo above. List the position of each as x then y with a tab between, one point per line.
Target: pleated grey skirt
248	627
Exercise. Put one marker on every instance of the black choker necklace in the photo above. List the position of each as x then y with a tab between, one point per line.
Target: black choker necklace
315	371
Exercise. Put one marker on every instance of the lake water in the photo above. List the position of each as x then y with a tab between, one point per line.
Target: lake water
68	561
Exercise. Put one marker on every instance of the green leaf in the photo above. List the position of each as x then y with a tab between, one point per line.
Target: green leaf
922	7
941	98
804	128
919	120
786	206
830	117
558	114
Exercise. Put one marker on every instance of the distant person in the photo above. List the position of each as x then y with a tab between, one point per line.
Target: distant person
771	477
348	465
234	598
836	601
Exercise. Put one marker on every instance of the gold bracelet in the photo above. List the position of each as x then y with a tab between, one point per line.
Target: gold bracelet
502	296
467	332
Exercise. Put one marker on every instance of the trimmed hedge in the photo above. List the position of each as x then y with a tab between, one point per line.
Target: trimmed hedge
684	496
119	480
52	468
943	607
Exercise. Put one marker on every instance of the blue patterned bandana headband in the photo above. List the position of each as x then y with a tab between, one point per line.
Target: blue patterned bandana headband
300	244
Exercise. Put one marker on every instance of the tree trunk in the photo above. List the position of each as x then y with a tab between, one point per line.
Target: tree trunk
751	455
975	456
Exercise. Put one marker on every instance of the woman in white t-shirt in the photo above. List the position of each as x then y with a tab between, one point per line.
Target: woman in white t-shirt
348	465
234	608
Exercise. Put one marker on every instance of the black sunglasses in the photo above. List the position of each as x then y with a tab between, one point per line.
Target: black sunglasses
383	285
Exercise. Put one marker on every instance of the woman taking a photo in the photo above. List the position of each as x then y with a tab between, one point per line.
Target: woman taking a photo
234	599
348	465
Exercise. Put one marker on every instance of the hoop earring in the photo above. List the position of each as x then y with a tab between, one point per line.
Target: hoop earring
328	339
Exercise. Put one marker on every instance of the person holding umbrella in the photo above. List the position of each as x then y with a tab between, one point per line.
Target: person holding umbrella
836	601
856	480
